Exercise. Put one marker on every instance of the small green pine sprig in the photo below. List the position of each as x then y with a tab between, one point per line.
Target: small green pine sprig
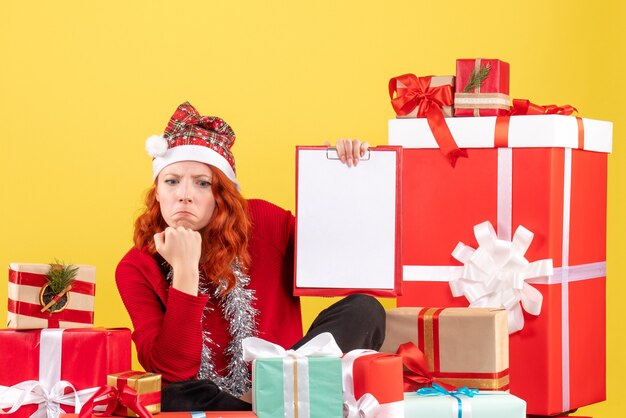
60	276
477	78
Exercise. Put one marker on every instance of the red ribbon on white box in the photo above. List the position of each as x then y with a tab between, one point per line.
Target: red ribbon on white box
49	391
562	275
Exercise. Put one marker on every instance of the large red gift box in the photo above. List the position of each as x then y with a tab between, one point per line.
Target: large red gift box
542	182
54	361
372	384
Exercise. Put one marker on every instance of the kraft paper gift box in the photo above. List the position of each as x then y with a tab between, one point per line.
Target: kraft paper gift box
26	284
57	362
402	89
147	387
304	382
462	346
491	98
436	403
545	173
372	384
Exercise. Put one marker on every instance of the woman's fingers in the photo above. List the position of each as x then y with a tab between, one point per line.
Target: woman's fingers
341	150
159	241
350	151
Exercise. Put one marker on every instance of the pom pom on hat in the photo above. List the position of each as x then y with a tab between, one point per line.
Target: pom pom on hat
156	146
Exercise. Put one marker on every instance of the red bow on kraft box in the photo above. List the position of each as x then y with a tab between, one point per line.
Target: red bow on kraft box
428	100
129	394
417	375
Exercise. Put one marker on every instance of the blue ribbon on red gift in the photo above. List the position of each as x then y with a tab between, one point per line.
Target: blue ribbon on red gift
438	390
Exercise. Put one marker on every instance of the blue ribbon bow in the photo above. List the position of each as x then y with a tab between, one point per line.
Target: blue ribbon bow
438	390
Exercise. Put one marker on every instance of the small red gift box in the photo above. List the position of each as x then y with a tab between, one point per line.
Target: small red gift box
54	361
487	98
543	178
372	384
27	285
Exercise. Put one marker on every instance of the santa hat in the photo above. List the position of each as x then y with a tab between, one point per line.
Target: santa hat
192	137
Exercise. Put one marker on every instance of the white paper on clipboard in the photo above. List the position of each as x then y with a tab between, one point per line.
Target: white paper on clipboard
346	220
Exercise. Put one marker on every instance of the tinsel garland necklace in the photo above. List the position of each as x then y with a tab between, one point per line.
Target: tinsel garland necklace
241	317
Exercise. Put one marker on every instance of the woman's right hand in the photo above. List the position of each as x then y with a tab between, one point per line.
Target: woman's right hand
181	248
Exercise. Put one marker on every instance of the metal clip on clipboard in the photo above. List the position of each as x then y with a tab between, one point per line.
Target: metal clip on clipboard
331	154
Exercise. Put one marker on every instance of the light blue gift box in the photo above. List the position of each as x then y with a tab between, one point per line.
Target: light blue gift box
298	387
483	404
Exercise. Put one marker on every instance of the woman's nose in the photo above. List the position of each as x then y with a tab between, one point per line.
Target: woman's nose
184	193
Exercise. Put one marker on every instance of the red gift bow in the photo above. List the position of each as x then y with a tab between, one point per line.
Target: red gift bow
417	375
428	101
526	107
111	397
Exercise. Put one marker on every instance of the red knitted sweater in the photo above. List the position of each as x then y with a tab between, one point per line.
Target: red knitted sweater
167	322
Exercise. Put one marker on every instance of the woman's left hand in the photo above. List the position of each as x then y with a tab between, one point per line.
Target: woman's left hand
350	151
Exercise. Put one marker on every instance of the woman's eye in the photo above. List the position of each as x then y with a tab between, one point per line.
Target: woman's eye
171	182
204	183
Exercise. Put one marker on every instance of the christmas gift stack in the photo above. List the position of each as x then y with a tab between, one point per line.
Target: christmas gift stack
51	340
506	208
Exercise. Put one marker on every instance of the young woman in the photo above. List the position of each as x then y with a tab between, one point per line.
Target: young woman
210	268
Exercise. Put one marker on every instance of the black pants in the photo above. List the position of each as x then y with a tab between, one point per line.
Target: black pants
356	321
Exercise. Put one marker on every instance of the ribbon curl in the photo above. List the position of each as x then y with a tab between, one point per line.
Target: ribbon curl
526	107
366	407
428	101
48	398
417	374
495	274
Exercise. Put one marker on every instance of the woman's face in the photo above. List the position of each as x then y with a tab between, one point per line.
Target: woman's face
184	193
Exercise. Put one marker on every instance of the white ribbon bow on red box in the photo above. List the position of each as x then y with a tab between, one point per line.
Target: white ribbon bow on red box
495	274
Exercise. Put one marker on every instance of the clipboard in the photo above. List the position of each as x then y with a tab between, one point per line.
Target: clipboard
348	223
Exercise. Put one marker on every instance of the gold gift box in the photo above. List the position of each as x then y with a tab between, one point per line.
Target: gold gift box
463	346
144	384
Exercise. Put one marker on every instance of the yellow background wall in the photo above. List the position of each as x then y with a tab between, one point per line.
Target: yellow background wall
84	83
